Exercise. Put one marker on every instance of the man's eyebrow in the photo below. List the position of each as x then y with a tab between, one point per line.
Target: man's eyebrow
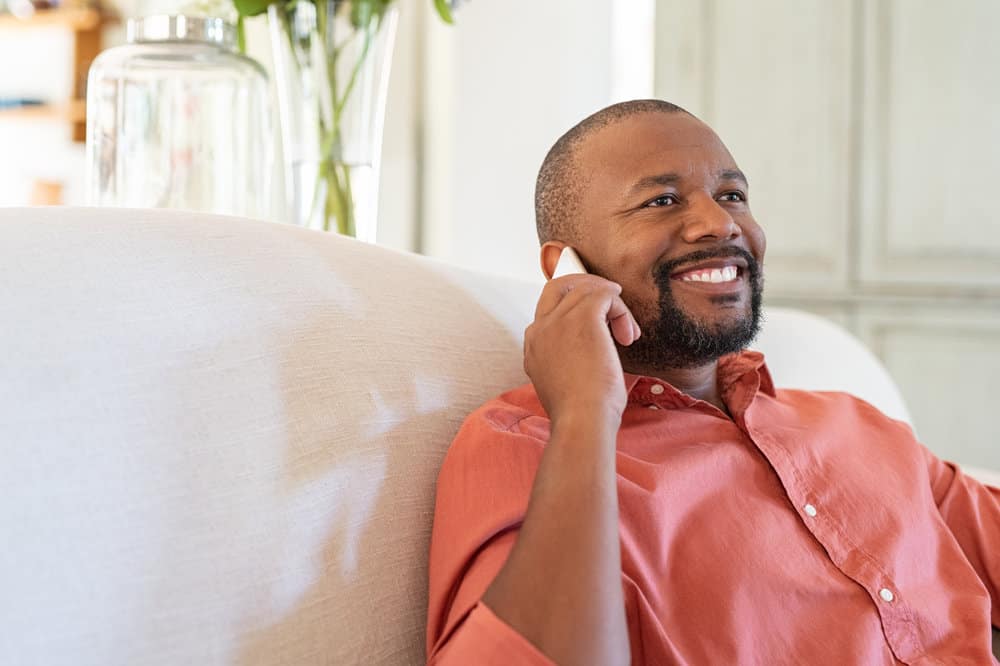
653	181
674	178
734	174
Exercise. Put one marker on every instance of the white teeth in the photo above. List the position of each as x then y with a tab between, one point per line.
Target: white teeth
715	275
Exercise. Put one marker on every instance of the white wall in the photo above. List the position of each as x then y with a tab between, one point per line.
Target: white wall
502	85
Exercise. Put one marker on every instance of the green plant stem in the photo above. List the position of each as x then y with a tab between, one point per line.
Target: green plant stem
333	195
340	196
339	107
241	34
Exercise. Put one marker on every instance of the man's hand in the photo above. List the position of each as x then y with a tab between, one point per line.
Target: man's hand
569	353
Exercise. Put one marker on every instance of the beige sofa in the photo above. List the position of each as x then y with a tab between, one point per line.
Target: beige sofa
220	437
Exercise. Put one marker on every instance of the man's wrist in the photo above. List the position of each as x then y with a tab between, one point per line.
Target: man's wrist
588	422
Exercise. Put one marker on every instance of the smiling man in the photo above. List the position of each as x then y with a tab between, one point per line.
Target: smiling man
650	496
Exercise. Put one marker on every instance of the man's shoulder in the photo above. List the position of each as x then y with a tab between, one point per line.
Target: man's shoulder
508	411
505	433
838	406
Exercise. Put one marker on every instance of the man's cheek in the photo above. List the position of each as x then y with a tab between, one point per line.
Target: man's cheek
646	311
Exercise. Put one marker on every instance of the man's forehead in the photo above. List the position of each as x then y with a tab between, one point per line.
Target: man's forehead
648	144
655	136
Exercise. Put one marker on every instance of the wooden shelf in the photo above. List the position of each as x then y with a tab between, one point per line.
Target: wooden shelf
74	18
74	111
84	25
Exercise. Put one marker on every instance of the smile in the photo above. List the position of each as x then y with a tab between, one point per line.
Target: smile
711	275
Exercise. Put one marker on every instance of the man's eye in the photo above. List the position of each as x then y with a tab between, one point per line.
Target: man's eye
733	196
665	200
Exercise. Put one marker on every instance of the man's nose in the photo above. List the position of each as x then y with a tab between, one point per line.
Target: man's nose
709	221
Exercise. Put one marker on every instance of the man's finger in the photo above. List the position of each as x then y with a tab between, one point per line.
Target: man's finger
603	303
557	289
624	327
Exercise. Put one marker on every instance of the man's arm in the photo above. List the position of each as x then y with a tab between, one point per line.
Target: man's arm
561	586
972	512
559	591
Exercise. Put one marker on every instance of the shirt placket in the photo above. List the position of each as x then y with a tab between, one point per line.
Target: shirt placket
806	494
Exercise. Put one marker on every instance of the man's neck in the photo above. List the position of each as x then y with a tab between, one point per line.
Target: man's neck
701	382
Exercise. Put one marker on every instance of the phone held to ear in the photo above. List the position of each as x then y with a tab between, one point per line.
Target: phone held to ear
569	262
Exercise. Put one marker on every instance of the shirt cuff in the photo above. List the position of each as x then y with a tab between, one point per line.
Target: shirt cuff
485	639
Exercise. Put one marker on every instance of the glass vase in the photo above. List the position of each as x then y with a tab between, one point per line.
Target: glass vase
331	69
177	118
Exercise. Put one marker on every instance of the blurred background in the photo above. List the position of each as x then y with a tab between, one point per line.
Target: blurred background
869	129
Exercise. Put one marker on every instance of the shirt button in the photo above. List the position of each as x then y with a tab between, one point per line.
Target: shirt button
652	406
810	510
656	389
886	594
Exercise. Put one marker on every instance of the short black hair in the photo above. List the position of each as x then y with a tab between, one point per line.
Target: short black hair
558	187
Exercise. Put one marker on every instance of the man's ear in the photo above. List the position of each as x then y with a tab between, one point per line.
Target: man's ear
550	257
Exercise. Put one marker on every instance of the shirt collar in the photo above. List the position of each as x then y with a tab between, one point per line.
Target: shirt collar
732	368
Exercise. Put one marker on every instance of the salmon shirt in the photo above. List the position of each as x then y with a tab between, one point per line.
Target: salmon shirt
807	528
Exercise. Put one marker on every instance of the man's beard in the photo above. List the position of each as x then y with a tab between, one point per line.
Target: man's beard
674	340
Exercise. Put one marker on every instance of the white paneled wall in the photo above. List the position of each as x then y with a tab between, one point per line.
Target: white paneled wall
931	150
946	358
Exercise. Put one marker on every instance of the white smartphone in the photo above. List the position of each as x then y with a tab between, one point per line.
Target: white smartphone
569	262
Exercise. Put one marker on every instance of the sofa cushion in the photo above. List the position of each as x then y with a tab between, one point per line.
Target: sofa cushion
221	437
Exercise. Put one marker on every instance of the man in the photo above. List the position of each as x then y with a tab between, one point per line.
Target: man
651	496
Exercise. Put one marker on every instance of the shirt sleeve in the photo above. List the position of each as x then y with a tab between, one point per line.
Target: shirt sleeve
482	495
972	512
486	640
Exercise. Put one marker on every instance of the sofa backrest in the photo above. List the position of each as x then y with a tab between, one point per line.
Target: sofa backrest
220	437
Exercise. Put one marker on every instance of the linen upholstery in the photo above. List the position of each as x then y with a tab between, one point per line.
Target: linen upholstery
220	437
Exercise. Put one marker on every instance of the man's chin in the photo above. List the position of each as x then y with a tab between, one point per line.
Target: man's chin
677	340
720	307
722	320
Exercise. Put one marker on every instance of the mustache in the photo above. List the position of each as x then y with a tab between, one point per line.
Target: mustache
666	269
